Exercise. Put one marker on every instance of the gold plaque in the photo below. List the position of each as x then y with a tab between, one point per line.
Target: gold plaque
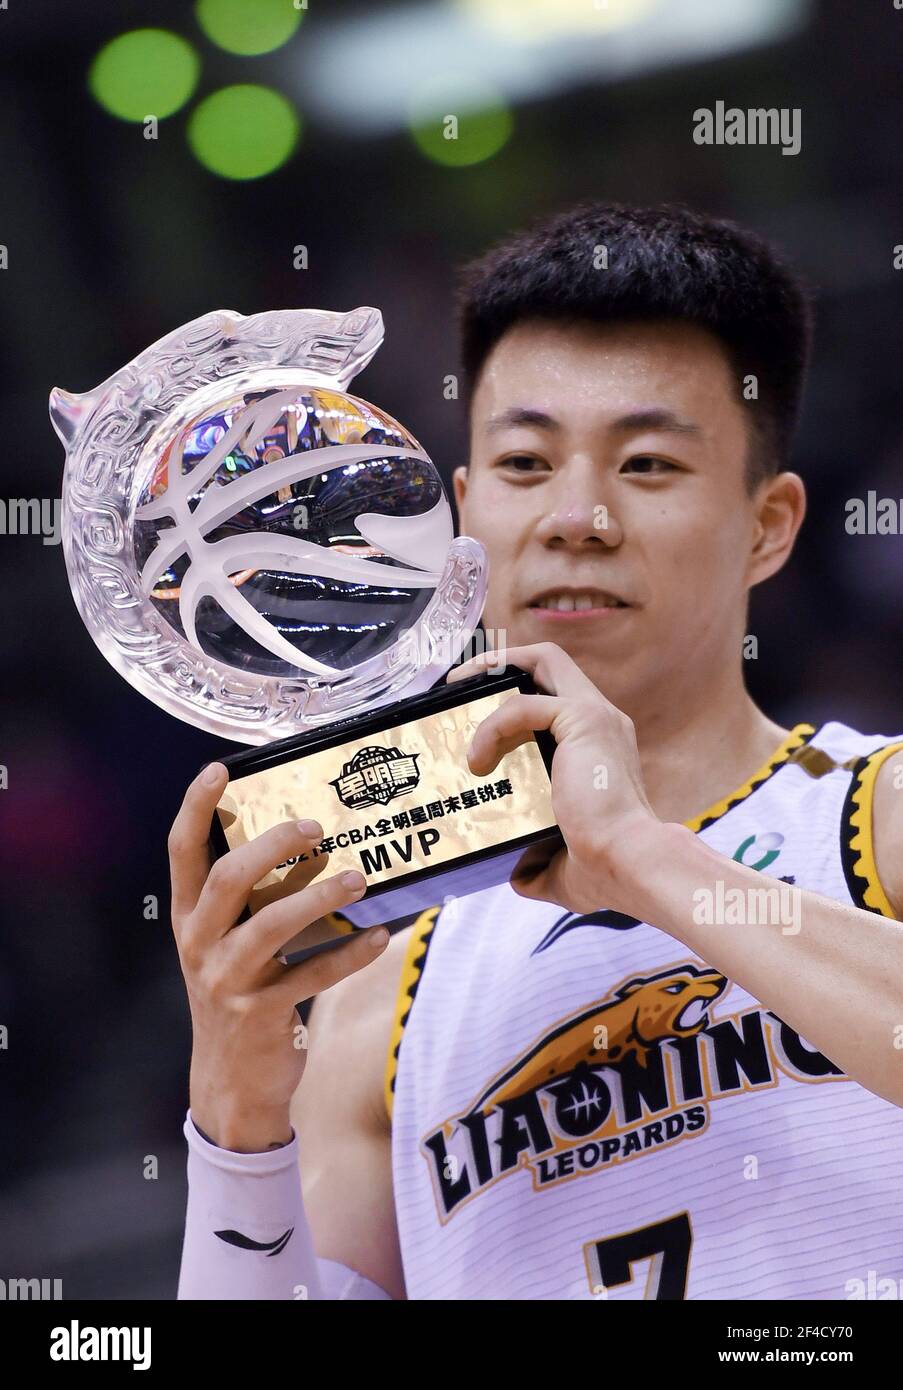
397	800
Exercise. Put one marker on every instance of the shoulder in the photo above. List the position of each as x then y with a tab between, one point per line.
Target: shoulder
881	781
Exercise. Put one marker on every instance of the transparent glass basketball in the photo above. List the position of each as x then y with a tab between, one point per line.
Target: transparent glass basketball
251	546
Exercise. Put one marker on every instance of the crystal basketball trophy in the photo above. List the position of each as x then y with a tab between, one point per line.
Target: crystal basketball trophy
272	559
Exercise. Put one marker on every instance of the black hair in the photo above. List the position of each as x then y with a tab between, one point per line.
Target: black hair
609	263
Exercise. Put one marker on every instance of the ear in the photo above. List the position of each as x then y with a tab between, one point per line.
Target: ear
459	484
780	505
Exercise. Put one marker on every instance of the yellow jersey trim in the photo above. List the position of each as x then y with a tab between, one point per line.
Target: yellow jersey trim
859	848
411	971
799	735
340	925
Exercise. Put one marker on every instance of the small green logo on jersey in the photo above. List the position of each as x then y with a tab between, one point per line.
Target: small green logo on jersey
768	846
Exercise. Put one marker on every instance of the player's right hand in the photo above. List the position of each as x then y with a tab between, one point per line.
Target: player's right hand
247	1050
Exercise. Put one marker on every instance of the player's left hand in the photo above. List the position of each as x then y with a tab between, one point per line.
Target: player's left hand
597	787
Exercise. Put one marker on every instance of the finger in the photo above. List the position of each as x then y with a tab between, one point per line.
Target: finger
230	881
551	668
300	982
189	855
554	882
537	872
257	941
475	665
298	876
512	724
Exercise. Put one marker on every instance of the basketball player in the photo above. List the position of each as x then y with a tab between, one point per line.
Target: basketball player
669	1062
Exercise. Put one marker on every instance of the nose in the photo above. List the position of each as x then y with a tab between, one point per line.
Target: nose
578	517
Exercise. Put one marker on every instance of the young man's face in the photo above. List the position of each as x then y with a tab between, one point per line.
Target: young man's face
607	479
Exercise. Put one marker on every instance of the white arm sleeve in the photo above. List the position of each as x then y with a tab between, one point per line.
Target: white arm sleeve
246	1233
339	1282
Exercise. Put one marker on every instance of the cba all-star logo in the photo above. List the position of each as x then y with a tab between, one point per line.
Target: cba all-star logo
631	1074
375	775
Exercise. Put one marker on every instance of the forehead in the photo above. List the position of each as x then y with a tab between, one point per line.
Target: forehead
596	370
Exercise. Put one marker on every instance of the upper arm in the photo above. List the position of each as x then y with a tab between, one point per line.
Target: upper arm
339	1115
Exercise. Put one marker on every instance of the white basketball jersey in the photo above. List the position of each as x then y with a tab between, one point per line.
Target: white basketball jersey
711	1153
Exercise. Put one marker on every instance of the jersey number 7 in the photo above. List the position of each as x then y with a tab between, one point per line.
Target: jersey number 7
609	1262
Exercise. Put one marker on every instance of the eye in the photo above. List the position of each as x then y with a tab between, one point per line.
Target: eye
646	465
674	989
524	464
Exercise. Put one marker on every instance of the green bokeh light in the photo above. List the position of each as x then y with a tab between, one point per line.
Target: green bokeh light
482	123
248	26
243	132
147	72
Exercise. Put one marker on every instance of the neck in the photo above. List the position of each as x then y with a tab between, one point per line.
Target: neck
699	740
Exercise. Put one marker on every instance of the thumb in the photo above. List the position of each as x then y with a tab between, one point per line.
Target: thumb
539	872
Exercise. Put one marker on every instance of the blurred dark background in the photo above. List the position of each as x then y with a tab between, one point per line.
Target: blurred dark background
113	240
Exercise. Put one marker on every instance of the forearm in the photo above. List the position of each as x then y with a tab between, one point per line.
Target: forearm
246	1231
246	1234
832	972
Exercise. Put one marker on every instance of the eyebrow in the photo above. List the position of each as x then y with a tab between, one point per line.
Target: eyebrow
522	415
664	420
634	422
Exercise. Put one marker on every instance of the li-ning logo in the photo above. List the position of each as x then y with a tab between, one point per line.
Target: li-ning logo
374	776
212	562
272	1247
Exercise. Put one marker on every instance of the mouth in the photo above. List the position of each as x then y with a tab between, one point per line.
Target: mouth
573	604
695	1013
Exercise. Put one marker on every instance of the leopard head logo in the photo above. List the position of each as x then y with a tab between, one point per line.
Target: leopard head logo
639	1016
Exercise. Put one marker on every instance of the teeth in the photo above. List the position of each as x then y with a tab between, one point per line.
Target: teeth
694	1013
567	603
